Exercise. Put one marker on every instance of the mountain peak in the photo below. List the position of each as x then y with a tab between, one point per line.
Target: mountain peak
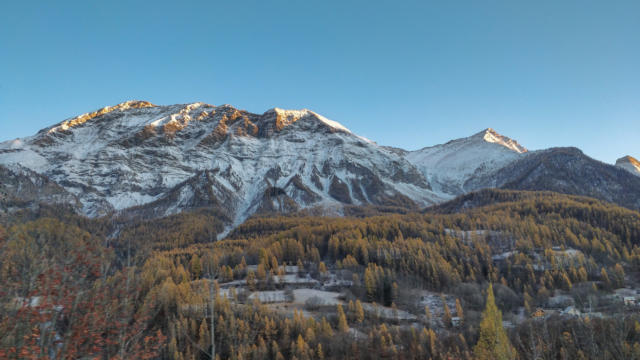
630	164
81	119
287	117
492	136
628	159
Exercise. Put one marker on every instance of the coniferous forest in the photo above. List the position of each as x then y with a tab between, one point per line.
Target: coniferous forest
494	274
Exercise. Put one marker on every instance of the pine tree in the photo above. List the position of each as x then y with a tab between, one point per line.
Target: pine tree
582	274
433	350
604	277
459	311
203	335
359	312
300	266
261	272
351	310
565	282
251	280
195	267
325	327
322	269
427	313
370	284
342	320
493	342
528	302
446	316
618	275
394	292
301	347
320	353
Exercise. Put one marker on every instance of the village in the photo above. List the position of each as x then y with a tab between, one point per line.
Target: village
317	292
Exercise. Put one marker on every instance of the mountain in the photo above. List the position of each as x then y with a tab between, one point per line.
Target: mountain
452	167
570	171
490	160
630	164
152	161
141	160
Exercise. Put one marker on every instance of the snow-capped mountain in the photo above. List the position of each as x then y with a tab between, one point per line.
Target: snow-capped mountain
490	160
630	164
137	159
160	160
452	167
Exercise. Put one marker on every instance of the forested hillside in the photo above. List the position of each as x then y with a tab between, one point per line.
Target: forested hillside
564	272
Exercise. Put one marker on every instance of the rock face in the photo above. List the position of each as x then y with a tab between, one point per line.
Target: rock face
630	164
159	160
142	160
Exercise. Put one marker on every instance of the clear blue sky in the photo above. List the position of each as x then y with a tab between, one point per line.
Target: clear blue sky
402	73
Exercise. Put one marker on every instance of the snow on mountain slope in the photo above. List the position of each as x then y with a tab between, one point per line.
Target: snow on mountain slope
630	164
159	160
21	187
137	159
450	167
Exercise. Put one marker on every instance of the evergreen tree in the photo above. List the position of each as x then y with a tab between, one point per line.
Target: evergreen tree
370	284
618	275
427	313
342	320
459	311
604	277
446	316
322	269
493	342
320	353
195	267
251	280
359	312
203	335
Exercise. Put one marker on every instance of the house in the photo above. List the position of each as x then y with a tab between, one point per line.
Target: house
456	321
629	300
538	313
571	311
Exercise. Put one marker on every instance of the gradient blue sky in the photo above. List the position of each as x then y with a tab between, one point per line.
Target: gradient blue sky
402	73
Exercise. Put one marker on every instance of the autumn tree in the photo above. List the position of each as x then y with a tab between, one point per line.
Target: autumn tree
459	311
251	280
195	267
359	312
493	343
342	320
446	315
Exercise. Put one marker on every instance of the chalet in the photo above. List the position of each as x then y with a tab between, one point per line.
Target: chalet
539	313
456	321
629	300
571	311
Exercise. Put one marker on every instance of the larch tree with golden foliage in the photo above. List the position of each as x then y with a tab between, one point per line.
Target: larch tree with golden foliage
493	343
342	320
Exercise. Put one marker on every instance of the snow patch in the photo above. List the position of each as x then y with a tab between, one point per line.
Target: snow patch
630	164
449	166
301	296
